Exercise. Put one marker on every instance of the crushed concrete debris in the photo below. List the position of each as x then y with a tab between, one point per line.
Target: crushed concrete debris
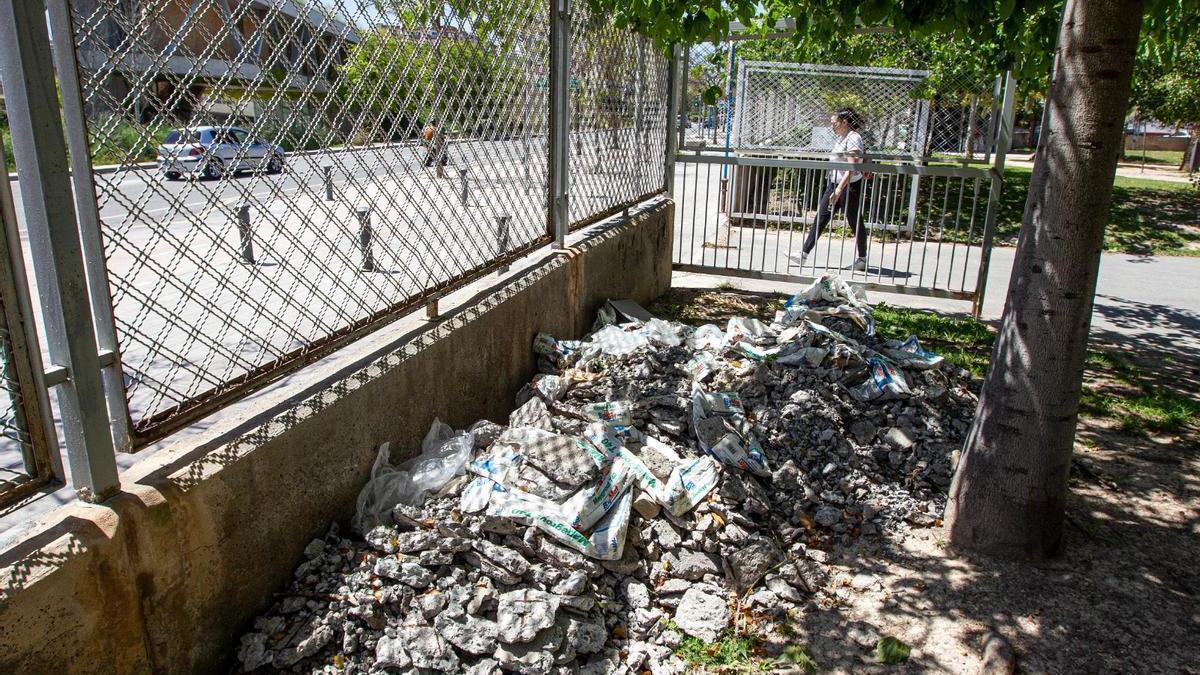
654	480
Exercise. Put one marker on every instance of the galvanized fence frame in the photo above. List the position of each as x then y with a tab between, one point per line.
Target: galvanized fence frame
969	181
70	244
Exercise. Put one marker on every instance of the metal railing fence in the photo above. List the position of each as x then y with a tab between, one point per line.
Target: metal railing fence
255	182
753	168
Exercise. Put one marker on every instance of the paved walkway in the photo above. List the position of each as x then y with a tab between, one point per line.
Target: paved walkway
1145	301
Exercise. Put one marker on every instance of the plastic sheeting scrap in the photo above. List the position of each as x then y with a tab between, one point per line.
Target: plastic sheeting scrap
444	454
614	341
607	541
910	354
708	336
701	366
689	484
616	414
555	455
719	420
883	381
830	288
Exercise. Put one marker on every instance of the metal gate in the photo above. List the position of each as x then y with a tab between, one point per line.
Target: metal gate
750	170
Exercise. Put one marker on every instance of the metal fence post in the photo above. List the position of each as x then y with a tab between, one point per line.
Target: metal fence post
31	95
327	172
502	225
87	208
244	234
560	119
674	82
364	238
462	174
1003	140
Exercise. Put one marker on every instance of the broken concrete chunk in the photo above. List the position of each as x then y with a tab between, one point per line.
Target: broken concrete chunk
751	562
523	613
474	635
427	649
390	653
702	614
691	565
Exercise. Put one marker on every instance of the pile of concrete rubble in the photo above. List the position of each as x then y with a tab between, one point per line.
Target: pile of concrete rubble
657	481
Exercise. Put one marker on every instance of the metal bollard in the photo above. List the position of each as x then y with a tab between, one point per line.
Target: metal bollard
502	223
364	238
328	171
462	174
244	235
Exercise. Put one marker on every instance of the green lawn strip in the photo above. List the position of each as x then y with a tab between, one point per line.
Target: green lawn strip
1166	158
1148	217
963	341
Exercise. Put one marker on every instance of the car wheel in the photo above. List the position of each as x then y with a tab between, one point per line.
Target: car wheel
214	168
171	175
275	164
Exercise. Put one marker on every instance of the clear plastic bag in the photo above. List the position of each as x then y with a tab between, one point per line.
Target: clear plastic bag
444	454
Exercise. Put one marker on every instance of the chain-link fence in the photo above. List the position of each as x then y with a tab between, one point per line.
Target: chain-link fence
618	117
755	181
777	108
275	176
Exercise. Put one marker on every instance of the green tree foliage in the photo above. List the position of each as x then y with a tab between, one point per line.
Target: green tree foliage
1168	89
410	81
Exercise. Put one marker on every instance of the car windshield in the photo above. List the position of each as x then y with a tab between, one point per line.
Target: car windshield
178	136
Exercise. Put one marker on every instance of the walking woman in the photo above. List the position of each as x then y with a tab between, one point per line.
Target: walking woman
843	190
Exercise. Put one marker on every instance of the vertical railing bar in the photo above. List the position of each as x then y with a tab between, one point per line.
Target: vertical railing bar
54	239
1003	138
560	120
23	346
962	285
89	220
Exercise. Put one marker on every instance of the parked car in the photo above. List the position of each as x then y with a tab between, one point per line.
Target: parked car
213	152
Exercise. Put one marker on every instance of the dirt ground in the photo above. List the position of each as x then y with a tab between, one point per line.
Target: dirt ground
1122	598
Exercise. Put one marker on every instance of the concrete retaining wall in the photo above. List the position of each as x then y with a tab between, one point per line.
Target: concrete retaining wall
164	577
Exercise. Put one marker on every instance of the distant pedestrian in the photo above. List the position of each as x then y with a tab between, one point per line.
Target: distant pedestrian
435	147
843	189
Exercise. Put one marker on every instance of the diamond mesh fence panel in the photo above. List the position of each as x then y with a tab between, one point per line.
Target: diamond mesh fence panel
784	108
17	465
289	173
618	117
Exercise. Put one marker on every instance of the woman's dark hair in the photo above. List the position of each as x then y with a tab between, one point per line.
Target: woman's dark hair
850	117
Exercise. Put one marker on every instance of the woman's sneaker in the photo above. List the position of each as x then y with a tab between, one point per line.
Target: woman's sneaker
796	260
860	265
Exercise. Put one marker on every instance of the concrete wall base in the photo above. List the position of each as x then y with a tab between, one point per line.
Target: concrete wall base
164	577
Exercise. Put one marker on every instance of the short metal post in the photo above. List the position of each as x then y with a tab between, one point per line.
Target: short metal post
462	175
432	313
244	235
1003	139
560	120
364	239
327	171
31	94
502	223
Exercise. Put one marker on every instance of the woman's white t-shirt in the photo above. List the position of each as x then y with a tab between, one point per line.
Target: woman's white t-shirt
847	147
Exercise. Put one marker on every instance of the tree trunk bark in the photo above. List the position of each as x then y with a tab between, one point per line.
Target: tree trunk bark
1010	488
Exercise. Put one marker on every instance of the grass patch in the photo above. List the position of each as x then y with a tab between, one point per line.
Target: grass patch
730	651
1143	409
1168	158
891	650
1147	217
799	656
963	341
